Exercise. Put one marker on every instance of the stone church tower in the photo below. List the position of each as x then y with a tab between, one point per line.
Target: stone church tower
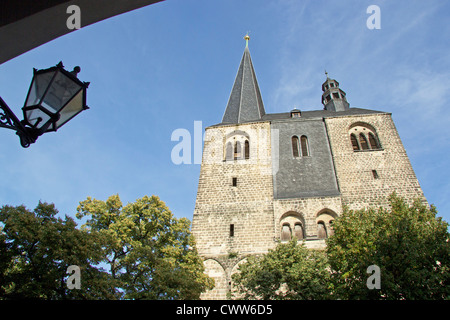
267	177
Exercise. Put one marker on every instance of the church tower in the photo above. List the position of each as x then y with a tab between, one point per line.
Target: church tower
266	178
233	214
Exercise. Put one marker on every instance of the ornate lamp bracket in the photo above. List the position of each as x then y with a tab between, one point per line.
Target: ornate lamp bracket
9	120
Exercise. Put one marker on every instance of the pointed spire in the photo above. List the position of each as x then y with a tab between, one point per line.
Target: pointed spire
245	102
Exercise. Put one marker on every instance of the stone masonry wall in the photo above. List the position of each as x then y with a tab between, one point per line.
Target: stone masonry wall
358	186
247	206
309	209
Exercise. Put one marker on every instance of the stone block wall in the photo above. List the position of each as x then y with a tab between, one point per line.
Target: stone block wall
221	270
235	218
231	221
309	210
368	177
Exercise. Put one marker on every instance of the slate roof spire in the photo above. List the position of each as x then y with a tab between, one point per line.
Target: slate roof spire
245	103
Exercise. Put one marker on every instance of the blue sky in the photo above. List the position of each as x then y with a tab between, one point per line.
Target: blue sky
162	67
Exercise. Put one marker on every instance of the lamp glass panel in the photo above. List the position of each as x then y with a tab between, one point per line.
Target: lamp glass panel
61	90
34	115
40	84
75	106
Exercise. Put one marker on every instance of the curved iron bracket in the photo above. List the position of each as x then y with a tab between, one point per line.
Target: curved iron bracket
9	120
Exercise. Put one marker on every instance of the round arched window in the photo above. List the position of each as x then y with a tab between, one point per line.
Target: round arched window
363	137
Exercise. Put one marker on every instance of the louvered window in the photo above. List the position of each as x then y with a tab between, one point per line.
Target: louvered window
355	144
285	233
237	150
295	147
363	141
247	150
321	230
305	147
298	231
373	141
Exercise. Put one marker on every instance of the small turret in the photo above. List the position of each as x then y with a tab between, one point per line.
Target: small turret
333	98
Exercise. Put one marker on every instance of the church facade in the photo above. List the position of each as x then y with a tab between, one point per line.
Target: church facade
266	178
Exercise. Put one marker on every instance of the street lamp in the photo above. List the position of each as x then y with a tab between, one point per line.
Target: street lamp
55	96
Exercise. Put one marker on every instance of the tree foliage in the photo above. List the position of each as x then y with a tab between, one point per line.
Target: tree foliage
151	254
137	251
408	243
36	248
288	272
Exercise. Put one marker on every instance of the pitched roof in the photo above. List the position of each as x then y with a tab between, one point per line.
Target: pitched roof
245	102
311	115
320	114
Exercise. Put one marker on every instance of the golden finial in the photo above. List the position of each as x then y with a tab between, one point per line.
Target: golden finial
247	37
326	73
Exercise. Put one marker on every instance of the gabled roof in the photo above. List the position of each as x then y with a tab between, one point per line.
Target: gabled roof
245	103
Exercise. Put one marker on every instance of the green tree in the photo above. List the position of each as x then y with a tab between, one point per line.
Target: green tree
408	243
36	248
150	253
288	272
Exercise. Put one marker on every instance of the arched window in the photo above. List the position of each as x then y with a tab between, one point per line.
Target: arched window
321	230
292	224
229	152
324	222
305	147
237	150
285	233
247	149
298	231
364	137
354	142
295	147
373	141
363	141
237	145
